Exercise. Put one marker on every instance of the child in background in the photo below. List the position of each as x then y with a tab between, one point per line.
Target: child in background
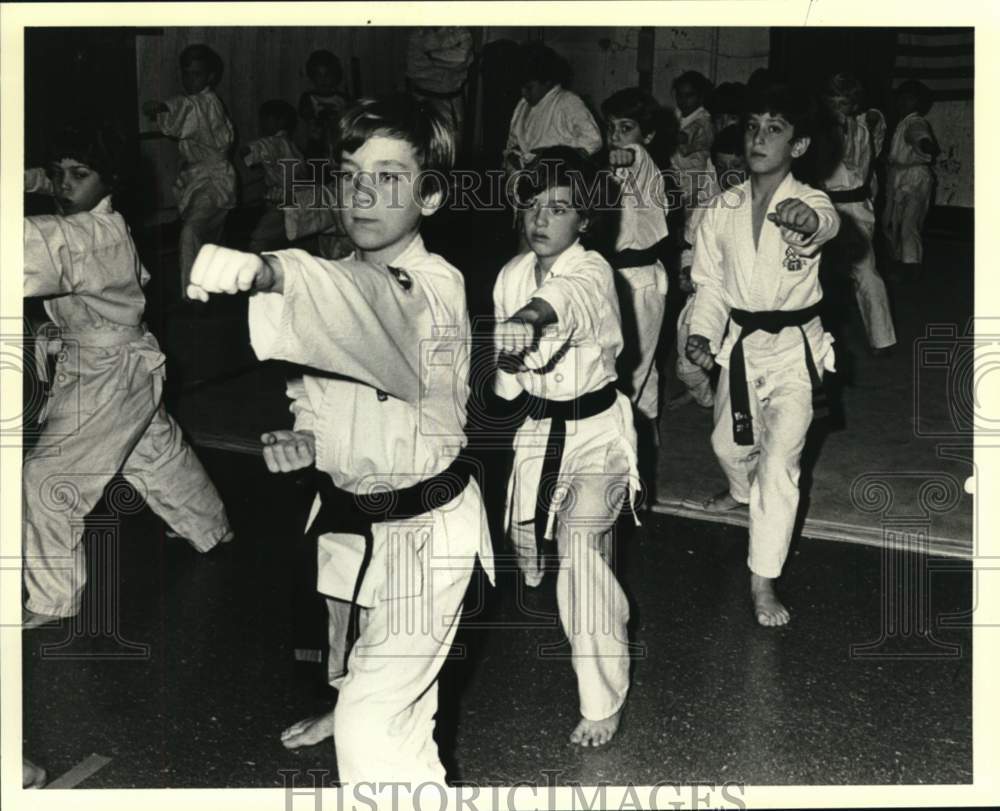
756	314
694	141
730	170
547	114
324	98
630	116
206	181
278	156
726	104
910	181
558	335
105	413
849	187
391	327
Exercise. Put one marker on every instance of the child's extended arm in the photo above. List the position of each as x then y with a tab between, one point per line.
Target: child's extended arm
350	318
520	333
806	224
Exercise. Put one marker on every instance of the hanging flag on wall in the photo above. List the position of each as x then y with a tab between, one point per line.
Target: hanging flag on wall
941	58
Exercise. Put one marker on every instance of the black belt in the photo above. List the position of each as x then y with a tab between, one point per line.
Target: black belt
638	257
559	411
858	195
356	513
434	94
772	321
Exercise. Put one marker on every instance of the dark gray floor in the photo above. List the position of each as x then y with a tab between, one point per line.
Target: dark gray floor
714	698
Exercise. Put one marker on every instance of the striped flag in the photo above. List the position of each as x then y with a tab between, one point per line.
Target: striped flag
941	58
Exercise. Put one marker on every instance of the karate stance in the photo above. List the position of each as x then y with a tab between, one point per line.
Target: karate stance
105	412
558	335
756	269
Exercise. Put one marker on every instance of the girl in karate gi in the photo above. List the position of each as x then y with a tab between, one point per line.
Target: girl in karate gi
756	270
105	413
206	181
558	336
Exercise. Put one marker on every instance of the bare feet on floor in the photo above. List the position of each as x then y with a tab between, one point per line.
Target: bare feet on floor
308	731
595	733
766	606
721	503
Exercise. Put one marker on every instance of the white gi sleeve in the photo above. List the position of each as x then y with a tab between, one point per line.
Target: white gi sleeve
711	308
345	317
179	121
301	407
579	298
505	384
576	120
829	223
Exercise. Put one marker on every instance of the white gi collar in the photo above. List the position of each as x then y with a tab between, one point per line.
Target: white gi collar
409	256
691	117
565	261
103	207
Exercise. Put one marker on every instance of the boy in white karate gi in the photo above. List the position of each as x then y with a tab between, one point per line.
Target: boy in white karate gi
730	170
756	269
910	180
105	412
206	181
391	323
849	188
278	157
558	335
630	115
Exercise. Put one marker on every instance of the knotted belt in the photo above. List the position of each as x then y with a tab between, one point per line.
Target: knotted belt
356	514
772	321
638	257
559	411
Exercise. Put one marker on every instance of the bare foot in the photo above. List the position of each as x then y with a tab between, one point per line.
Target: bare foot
766	606
721	503
308	731
32	776
595	733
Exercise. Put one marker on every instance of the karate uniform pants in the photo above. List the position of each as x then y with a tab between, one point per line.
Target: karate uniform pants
694	378
111	419
598	461
202	223
908	197
647	287
414	586
869	288
765	475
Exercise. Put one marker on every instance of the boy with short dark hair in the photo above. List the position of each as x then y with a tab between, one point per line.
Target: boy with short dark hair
756	270
391	323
